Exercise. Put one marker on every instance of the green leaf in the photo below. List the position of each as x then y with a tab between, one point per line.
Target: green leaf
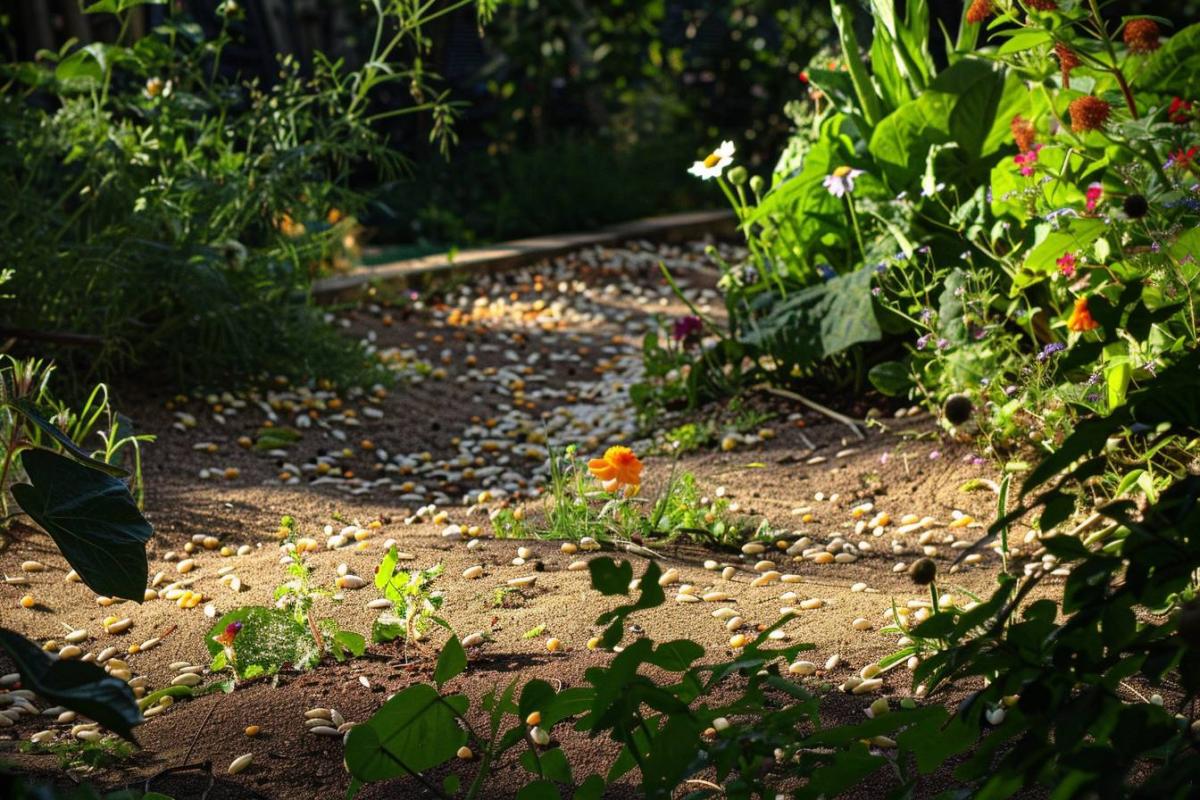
77	685
92	518
1076	236
30	412
821	320
451	662
347	642
413	732
891	377
1173	69
538	790
592	788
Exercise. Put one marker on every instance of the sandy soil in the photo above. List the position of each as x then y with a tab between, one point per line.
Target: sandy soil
489	364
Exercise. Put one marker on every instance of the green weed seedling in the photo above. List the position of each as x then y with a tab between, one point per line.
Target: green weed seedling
414	603
255	641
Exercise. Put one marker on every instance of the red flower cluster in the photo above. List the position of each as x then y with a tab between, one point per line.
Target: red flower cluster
1181	111
1042	5
1088	114
1182	159
1094	192
1142	35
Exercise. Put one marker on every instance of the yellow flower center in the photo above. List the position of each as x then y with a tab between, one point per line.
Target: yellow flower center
841	172
712	160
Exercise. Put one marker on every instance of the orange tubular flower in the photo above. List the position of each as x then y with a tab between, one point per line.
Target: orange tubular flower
1088	114
1081	319
1142	35
618	468
979	11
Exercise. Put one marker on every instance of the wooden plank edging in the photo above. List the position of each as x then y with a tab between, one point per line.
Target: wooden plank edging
519	253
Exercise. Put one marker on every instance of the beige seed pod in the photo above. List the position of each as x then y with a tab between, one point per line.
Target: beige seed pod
240	763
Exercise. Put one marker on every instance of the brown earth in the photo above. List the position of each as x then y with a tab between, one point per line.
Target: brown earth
910	467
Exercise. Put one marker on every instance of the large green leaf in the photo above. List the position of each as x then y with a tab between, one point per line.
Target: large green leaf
960	106
30	412
1074	237
413	732
77	685
92	518
821	320
1174	69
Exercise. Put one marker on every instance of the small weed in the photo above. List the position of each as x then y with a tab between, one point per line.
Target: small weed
414	604
76	754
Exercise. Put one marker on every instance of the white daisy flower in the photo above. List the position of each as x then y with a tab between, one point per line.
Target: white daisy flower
841	181
715	163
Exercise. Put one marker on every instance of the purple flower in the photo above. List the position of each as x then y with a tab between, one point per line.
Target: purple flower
923	340
926	314
686	327
1050	349
942	344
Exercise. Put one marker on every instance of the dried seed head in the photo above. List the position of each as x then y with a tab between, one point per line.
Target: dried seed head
1135	206
1088	114
1142	35
1023	133
923	571
1067	61
957	409
979	11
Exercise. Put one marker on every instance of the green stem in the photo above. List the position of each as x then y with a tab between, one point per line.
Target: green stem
854	221
1102	30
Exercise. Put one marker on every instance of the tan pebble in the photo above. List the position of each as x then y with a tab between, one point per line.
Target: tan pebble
803	668
472	573
861	624
811	603
32	566
728	573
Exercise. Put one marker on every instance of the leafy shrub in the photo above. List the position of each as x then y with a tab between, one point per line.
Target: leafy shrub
994	226
173	215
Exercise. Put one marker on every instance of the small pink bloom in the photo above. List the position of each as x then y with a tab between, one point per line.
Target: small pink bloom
1027	161
1066	264
1094	192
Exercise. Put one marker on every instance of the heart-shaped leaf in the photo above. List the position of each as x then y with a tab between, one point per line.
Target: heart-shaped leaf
77	685
92	518
30	412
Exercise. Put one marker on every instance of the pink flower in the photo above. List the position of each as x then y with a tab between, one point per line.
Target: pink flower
1094	192
686	327
1066	264
1027	161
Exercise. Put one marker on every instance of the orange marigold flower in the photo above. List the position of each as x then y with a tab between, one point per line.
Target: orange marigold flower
618	468
979	11
1042	5
1023	132
1142	35
1067	61
1088	114
1081	319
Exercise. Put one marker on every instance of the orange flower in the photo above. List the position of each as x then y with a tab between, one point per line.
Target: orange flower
979	11
1088	114
619	467
1023	133
1081	319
